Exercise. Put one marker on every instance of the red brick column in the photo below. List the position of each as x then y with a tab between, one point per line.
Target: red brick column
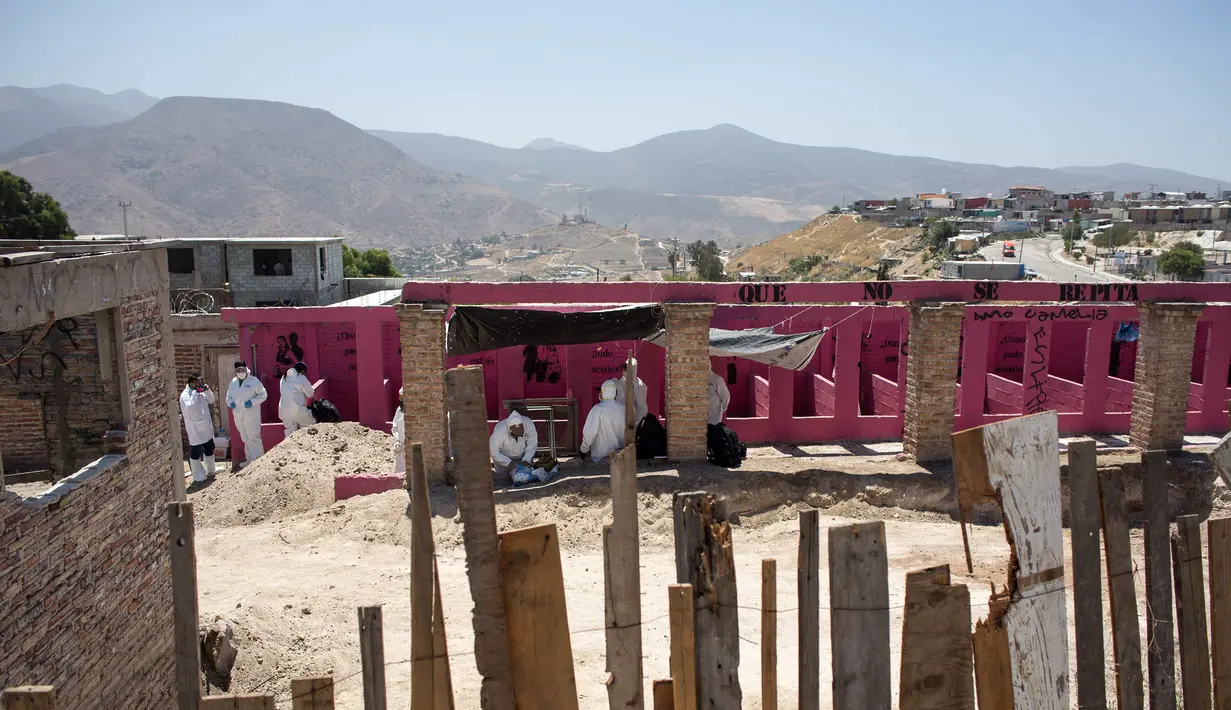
688	367
1163	373
931	379
423	382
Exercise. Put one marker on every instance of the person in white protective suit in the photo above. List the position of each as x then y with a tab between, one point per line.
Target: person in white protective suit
399	437
640	391
244	397
199	425
514	440
603	433
719	398
294	391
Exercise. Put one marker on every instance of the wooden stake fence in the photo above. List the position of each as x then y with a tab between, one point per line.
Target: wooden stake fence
705	559
859	616
808	584
1190	612
477	505
312	693
683	647
622	573
428	651
372	657
1084	518
184	601
769	634
239	701
1160	631
1125	632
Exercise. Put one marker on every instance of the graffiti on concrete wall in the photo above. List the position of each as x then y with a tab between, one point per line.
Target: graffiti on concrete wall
1038	372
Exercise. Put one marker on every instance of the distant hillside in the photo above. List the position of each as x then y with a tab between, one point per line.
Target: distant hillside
662	184
549	144
26	114
844	238
201	166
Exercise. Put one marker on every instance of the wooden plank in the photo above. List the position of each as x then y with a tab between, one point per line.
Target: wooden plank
1218	548
705	559
1190	612
683	646
540	650
1160	626
808	587
769	634
622	577
937	671
993	668
477	505
443	682
1084	524
184	600
239	701
859	617
30	697
422	586
1125	632
1024	472
664	695
372	657
312	693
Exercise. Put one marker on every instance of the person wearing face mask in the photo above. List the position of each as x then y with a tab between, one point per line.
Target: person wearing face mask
199	425
244	397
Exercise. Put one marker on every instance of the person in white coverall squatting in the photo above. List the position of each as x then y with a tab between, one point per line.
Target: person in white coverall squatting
719	398
603	433
399	438
199	425
513	440
640	392
293	393
244	397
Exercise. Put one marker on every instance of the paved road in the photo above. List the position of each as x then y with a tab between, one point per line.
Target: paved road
1036	253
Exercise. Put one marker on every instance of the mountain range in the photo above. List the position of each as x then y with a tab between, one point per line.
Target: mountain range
26	114
234	167
231	166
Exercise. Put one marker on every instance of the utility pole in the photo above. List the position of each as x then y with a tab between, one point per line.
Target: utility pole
124	205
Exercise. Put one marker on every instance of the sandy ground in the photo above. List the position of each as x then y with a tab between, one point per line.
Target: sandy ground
291	586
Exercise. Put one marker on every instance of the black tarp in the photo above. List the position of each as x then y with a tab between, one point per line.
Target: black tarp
474	329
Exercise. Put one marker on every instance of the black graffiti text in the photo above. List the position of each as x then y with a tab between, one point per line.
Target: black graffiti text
987	291
763	293
1098	292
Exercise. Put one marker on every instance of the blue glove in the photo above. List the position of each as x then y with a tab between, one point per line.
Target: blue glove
248	404
231	405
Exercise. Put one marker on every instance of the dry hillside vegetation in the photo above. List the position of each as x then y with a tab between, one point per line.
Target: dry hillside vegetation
843	238
232	167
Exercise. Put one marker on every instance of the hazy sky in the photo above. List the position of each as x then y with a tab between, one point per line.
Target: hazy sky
1041	82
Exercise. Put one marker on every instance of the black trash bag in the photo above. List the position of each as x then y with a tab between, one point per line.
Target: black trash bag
723	447
324	412
651	438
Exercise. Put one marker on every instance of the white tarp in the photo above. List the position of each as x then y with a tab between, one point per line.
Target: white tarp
792	351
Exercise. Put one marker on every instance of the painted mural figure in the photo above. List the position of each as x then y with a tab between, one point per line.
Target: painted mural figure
545	369
288	353
244	397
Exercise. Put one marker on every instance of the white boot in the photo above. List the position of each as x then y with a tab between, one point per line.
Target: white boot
198	470
211	468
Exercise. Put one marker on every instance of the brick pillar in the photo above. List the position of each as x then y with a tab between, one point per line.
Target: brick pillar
422	332
931	379
688	367
1163	373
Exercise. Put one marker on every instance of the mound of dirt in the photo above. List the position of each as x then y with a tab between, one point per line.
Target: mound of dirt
296	476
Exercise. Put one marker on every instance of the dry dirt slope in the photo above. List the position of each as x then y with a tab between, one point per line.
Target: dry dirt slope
845	238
